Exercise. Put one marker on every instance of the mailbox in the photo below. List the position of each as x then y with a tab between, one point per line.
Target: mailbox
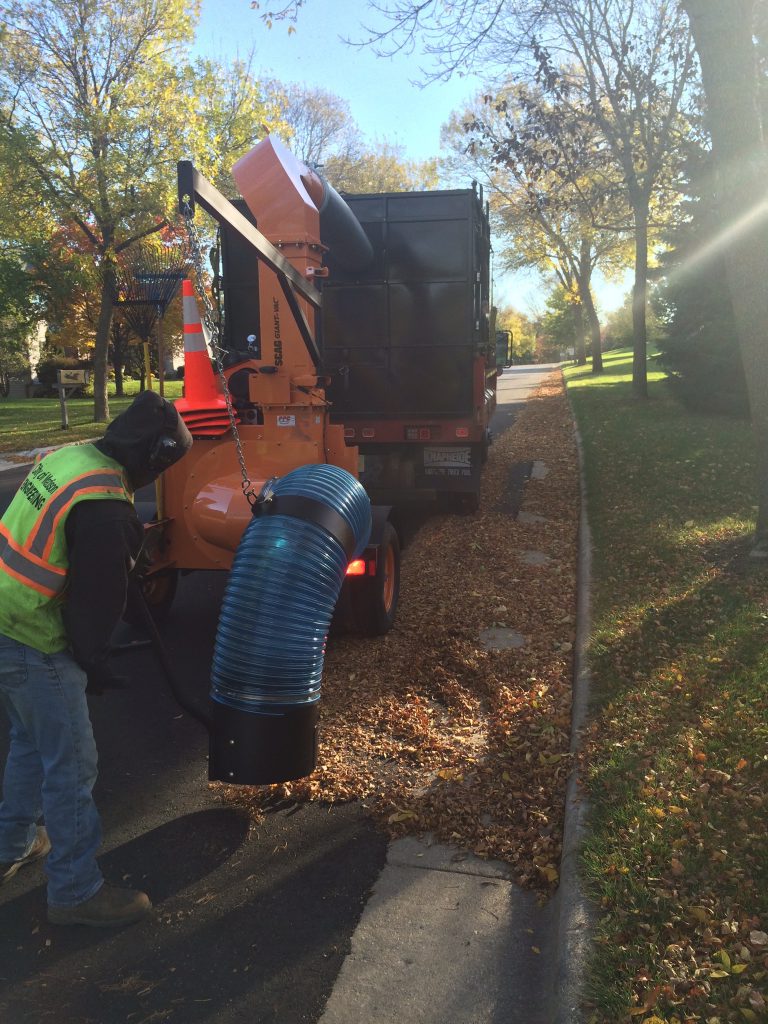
73	377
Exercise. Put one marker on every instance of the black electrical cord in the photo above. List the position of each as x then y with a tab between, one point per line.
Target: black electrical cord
163	658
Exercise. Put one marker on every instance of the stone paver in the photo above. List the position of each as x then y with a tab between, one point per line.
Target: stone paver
500	638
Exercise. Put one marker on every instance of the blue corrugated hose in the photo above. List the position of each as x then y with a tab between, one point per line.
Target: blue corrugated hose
280	596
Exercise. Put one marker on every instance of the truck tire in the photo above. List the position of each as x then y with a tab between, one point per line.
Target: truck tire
375	603
467	503
459	503
485	444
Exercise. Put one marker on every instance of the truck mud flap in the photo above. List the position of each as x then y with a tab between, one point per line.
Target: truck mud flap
450	467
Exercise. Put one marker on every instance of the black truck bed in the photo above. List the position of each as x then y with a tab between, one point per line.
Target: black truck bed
399	339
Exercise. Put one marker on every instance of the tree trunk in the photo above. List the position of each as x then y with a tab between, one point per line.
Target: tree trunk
117	366
101	348
639	300
580	349
596	348
585	291
723	35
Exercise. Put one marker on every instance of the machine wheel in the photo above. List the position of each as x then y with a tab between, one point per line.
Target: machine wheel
159	590
484	446
376	602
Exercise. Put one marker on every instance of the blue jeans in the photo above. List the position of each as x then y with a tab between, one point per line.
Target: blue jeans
51	769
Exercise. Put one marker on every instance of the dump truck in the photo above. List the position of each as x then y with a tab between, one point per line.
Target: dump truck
406	343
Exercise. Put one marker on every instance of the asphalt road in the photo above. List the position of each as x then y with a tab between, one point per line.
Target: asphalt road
251	924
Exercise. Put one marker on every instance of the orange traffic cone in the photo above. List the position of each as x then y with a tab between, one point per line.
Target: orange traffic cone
203	407
199	382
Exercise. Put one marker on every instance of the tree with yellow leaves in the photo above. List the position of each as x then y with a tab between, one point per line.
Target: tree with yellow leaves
93	95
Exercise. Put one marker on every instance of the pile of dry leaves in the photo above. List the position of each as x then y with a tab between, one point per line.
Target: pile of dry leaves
429	730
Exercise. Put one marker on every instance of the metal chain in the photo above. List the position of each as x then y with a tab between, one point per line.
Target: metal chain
211	322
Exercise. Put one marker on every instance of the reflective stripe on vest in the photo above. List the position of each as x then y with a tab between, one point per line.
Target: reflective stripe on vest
47	579
43	533
34	552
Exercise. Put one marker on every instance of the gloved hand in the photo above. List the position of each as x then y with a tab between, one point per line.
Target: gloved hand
102	677
141	565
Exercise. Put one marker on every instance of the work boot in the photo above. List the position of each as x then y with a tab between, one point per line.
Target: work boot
40	847
109	908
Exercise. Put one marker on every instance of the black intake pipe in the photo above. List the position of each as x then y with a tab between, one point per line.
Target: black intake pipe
342	232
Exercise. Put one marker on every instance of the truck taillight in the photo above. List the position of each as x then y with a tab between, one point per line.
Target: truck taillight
356	568
462	431
368	432
349	432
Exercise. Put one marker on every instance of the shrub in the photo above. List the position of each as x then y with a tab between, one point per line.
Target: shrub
705	370
700	351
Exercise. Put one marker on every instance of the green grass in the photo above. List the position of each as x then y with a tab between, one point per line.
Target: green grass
617	370
29	423
677	762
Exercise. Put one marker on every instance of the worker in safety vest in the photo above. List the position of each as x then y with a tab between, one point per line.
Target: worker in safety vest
68	542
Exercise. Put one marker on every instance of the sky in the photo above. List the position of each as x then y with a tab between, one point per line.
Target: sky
384	94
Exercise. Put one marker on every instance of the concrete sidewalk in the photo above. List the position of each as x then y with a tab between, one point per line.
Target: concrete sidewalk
446	938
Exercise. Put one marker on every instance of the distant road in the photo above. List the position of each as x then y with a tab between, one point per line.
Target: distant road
513	388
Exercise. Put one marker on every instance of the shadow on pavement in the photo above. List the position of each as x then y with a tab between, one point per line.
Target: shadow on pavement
174	856
242	930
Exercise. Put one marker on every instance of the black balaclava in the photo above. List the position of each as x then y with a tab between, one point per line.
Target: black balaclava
146	439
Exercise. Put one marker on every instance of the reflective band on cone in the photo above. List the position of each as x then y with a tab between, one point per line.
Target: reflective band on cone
203	402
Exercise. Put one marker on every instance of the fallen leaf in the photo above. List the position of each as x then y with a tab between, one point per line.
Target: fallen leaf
401	816
550	872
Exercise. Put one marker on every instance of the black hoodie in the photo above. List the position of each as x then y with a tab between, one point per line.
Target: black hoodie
146	439
104	538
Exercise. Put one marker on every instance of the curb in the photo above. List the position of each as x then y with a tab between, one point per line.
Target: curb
576	914
28	457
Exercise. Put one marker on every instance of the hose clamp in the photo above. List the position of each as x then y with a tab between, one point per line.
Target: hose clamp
311	511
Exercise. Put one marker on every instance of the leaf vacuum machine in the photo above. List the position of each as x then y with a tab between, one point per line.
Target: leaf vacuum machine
267	412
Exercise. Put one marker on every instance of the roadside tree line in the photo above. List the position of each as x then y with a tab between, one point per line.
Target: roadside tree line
601	120
608	133
97	103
